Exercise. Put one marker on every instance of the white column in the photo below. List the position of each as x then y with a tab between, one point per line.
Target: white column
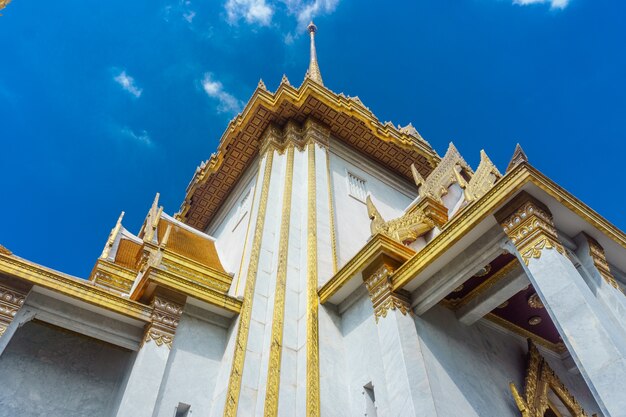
407	382
568	300
142	388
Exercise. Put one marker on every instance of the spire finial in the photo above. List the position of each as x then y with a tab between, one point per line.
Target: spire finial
519	156
314	70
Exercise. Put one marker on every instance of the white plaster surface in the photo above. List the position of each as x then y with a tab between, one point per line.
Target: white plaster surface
194	363
353	224
470	367
47	372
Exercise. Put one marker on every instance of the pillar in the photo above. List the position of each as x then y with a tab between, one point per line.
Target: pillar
142	388
568	300
12	315
403	362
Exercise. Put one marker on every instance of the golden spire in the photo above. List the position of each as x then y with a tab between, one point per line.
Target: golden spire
519	156
314	70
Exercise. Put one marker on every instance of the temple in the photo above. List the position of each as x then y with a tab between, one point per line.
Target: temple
324	263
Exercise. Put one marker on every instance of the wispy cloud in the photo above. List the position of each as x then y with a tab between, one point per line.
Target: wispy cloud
140	136
252	11
306	10
214	89
128	83
554	4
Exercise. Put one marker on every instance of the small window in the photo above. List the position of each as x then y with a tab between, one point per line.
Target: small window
183	410
356	187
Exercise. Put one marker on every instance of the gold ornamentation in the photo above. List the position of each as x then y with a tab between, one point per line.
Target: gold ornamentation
314	70
540	380
558	347
534	320
376	246
529	227
165	318
452	169
5	251
534	301
73	287
3	4
483	271
504	304
234	384
519	156
112	236
599	260
483	179
11	300
347	119
276	344
312	336
486	284
333	236
379	286
417	221
459	288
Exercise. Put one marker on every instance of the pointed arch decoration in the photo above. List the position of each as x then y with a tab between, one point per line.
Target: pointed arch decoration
539	383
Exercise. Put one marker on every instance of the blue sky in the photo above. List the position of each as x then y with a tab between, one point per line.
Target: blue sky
102	104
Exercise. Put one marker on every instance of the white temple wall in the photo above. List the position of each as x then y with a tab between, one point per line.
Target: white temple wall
390	194
49	372
363	359
334	400
194	362
252	394
470	367
230	227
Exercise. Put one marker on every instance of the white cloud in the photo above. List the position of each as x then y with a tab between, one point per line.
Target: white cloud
253	11
305	11
128	83
189	15
554	4
140	136
214	89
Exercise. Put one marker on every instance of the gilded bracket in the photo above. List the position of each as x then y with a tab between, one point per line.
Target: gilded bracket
11	300
378	282
528	223
166	314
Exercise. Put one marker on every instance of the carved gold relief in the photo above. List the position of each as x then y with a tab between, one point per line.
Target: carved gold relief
529	227
534	301
3	4
417	221
599	260
11	300
165	318
278	319
483	179
5	251
380	288
452	169
236	373
312	334
540	381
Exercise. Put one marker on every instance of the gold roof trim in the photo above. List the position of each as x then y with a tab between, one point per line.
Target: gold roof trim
73	287
347	118
474	213
377	245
